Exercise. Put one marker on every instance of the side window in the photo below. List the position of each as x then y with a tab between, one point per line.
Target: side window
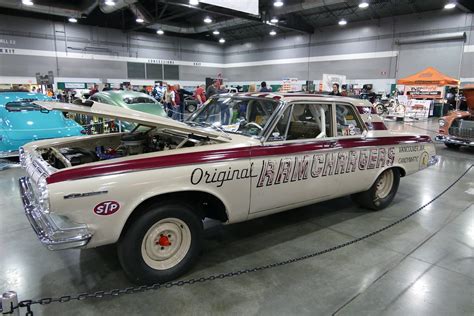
346	120
95	98
304	121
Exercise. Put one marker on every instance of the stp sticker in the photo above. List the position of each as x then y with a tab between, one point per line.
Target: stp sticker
106	208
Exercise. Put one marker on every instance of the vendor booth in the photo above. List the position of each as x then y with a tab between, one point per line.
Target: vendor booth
425	93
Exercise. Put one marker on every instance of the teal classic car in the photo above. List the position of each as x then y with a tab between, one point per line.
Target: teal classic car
131	100
22	122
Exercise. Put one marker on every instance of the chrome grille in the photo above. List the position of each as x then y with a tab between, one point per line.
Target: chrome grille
462	132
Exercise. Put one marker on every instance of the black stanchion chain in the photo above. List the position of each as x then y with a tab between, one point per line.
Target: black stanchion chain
144	288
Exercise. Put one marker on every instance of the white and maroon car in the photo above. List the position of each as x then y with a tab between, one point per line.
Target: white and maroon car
237	158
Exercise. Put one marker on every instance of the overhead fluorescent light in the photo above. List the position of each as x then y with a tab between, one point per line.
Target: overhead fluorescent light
207	20
274	20
342	22
222	41
27	2
72	20
278	3
110	3
363	5
193	2
450	5
139	20
273	33
216	32
160	32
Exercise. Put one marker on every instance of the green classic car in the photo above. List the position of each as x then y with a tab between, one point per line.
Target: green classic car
131	100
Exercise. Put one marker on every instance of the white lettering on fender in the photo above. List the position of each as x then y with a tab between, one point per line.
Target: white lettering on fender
106	208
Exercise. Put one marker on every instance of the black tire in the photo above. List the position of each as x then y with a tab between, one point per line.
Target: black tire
379	108
132	241
452	146
368	199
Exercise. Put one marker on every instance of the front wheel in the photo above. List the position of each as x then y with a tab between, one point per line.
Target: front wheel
161	244
381	193
380	109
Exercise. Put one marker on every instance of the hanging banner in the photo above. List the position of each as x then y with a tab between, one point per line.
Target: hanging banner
248	6
424	92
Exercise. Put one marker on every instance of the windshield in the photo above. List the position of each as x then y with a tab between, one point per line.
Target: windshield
23	105
245	116
136	100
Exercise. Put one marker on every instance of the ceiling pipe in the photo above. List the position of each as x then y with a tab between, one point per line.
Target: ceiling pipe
199	29
461	36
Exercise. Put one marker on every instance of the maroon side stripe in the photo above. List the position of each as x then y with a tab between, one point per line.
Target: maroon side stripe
224	155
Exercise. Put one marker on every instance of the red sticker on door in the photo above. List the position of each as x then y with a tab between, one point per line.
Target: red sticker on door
106	208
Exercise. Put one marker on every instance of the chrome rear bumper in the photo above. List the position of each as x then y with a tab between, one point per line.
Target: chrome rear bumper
54	231
454	140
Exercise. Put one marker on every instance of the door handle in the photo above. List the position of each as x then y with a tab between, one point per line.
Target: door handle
332	143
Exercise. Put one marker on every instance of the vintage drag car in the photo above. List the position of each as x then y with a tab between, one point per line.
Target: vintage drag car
237	158
457	128
21	121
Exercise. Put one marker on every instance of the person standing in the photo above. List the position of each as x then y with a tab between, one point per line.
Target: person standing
335	89
169	98
212	89
263	87
200	96
181	93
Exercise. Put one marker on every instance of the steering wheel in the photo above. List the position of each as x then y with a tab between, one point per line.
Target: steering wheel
254	125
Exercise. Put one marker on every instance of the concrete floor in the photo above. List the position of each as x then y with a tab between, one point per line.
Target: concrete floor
424	266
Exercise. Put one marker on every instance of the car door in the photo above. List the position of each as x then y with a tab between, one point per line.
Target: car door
293	166
358	159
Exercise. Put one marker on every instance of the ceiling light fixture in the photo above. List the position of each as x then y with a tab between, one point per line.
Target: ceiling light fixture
222	41
450	5
160	32
207	20
110	3
216	32
193	2
342	22
72	20
27	2
274	20
273	33
363	4
139	20
278	3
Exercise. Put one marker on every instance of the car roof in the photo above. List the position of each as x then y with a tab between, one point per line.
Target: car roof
301	96
10	96
123	94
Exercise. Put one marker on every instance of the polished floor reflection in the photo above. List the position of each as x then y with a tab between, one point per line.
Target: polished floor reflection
424	266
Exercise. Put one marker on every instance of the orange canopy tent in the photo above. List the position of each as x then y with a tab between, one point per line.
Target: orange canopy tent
429	76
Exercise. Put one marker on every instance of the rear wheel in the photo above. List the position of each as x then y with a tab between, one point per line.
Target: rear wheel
161	244
452	146
381	193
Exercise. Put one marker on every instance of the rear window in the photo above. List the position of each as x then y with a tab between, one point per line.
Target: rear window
23	105
135	100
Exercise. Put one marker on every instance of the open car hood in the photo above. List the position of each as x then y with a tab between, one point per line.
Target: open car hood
118	113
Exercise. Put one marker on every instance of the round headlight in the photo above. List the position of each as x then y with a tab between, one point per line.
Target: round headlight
442	122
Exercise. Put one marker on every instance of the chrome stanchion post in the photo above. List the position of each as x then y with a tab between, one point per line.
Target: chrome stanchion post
10	304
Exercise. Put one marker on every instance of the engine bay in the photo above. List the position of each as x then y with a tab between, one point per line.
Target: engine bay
115	146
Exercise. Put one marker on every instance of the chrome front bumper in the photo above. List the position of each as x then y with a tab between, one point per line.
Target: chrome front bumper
454	140
9	154
54	231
